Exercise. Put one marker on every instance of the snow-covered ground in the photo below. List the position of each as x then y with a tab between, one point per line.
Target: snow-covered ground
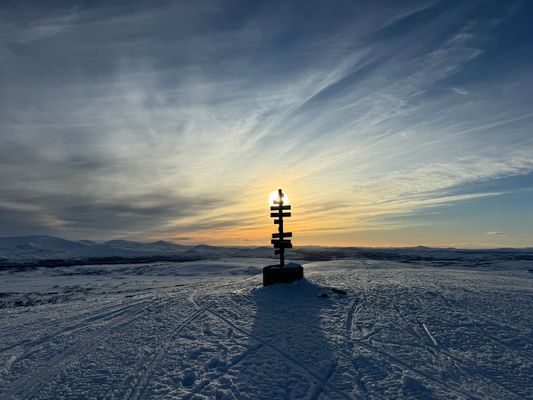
208	329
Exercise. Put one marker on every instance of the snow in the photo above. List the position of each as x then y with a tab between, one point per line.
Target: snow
31	251
293	265
354	328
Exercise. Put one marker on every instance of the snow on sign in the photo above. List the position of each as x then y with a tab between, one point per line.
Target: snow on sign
279	209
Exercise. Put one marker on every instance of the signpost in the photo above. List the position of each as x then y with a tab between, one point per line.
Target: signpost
278	239
281	273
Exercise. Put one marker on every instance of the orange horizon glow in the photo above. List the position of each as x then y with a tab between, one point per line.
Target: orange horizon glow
328	229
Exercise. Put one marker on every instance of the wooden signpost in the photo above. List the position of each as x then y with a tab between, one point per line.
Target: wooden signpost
280	240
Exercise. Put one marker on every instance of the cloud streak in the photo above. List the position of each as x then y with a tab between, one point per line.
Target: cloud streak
181	118
496	233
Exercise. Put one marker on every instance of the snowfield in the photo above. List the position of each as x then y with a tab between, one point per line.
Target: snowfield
353	329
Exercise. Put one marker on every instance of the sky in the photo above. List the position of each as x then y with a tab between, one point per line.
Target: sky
387	123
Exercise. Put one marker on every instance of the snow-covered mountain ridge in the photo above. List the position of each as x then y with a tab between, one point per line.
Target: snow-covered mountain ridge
39	250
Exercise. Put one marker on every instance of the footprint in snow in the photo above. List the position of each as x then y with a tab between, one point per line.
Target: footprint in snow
189	377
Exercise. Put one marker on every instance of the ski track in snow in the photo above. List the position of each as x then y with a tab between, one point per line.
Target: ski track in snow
399	332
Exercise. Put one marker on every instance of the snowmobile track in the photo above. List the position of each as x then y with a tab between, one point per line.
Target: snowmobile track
95	319
199	387
140	388
398	362
319	388
26	388
350	314
285	355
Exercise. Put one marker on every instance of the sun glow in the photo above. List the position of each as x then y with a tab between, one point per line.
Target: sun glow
274	197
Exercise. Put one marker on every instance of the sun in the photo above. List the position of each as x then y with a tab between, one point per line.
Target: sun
274	197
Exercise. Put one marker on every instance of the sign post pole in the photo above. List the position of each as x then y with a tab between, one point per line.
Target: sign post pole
281	273
279	240
280	229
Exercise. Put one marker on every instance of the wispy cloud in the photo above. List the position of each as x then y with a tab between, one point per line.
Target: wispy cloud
181	118
496	233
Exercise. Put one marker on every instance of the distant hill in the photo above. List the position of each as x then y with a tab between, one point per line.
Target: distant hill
28	248
40	250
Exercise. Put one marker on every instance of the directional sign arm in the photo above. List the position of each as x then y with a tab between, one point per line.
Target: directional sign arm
285	235
286	244
279	208
273	241
278	214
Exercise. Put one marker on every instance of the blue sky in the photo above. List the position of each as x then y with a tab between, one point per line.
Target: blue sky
387	123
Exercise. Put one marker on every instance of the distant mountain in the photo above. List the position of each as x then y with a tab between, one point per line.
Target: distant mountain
88	242
161	244
54	251
51	251
38	242
123	244
126	244
38	247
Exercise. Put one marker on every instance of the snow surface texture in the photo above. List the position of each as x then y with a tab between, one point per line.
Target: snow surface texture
208	329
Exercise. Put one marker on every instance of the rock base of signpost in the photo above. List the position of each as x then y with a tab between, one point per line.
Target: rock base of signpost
274	274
